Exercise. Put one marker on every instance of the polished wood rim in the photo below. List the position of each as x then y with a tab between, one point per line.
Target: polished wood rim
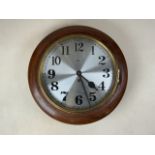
95	113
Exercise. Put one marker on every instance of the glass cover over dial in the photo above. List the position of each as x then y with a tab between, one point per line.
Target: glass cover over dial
77	73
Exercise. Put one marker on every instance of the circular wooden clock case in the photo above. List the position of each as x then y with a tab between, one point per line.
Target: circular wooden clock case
77	74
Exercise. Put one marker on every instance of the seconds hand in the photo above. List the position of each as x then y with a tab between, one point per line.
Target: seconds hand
79	74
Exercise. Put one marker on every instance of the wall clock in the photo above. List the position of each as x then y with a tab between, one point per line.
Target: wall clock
77	74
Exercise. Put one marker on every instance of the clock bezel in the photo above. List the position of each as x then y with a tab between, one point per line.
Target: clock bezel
56	103
90	115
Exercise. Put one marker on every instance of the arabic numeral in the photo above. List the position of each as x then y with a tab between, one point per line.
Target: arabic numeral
79	47
65	50
65	93
51	74
92	96
78	100
102	59
54	86
56	60
101	86
92	48
106	73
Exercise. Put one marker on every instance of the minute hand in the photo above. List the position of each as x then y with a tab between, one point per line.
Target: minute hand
84	89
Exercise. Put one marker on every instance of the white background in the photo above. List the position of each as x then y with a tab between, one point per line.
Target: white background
19	114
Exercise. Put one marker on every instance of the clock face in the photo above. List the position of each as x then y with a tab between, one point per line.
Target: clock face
78	73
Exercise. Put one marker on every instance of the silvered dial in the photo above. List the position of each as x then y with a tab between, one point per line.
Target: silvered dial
77	72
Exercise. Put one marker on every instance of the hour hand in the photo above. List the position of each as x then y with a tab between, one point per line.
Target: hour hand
91	84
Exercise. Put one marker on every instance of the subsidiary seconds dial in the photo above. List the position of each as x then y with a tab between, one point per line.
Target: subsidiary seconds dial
75	74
